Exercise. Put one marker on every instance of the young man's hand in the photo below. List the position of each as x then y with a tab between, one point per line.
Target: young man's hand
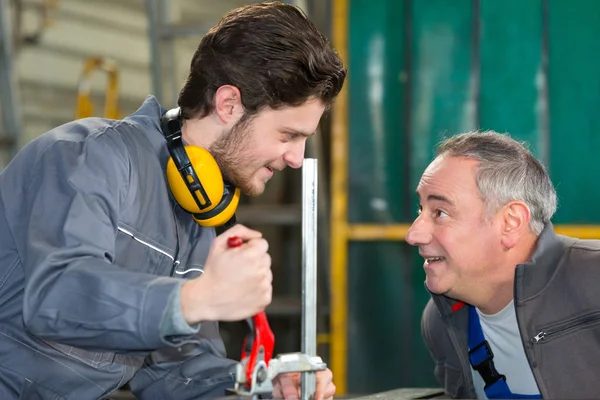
288	386
236	283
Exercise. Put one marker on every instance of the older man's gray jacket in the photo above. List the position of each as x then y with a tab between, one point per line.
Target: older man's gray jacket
557	302
90	243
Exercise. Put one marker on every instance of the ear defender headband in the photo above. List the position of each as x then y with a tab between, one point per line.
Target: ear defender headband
195	178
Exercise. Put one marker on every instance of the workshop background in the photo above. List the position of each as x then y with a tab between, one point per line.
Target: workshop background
419	70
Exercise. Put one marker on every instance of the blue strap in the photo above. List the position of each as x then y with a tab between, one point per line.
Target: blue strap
480	354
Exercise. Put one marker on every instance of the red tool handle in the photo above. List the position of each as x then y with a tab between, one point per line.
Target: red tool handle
260	334
235	241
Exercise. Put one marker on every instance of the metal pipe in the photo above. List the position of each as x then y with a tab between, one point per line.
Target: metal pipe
165	22
155	64
339	209
9	100
309	269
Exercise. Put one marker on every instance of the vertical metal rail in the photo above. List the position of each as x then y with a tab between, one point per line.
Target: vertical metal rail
168	50
309	269
11	131
155	62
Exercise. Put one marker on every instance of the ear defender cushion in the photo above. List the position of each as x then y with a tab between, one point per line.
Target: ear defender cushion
207	171
224	199
224	212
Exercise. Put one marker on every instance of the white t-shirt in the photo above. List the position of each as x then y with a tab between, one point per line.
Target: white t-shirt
502	333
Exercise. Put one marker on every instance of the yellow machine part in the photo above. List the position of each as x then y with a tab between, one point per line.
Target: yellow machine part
85	108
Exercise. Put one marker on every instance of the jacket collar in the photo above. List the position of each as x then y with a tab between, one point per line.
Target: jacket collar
147	119
532	277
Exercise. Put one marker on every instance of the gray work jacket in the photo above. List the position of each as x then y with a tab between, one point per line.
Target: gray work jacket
90	243
557	303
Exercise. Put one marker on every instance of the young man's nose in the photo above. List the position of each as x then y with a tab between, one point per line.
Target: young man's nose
295	155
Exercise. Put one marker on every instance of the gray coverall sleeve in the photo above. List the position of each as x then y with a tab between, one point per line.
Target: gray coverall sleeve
182	373
173	322
74	292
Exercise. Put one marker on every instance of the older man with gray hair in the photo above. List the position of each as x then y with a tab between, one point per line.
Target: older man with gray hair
515	308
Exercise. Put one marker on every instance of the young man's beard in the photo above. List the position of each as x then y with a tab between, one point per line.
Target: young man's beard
229	152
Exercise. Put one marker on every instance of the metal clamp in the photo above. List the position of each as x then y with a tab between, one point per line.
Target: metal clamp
263	375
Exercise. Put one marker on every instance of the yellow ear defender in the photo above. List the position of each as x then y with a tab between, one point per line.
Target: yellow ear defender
195	178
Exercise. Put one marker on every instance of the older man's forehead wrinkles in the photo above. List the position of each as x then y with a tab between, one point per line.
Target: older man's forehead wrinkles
439	197
432	196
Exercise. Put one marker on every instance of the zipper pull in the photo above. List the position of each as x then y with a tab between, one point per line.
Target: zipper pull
174	267
540	336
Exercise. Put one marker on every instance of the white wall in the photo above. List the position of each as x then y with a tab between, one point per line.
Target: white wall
48	72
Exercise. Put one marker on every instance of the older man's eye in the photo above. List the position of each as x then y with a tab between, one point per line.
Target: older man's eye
440	213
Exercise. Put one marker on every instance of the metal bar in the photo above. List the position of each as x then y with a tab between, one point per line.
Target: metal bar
168	49
9	101
397	232
339	209
155	63
315	150
309	269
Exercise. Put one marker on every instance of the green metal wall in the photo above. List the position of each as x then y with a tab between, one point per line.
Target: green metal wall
424	69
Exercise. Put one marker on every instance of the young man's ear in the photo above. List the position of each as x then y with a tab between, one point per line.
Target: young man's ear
228	104
515	223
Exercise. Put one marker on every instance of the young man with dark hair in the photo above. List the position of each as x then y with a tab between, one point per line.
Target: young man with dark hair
95	238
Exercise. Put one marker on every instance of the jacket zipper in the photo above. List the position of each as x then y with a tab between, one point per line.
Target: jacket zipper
464	362
527	347
148	244
544	333
463	359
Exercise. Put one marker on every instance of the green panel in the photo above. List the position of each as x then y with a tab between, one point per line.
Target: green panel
574	73
383	351
441	77
459	78
383	348
375	109
511	69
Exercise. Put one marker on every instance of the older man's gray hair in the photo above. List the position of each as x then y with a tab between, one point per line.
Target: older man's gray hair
507	172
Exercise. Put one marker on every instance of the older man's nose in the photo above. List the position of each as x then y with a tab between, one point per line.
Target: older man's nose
418	234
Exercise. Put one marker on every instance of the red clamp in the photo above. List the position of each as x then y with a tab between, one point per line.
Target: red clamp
260	336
